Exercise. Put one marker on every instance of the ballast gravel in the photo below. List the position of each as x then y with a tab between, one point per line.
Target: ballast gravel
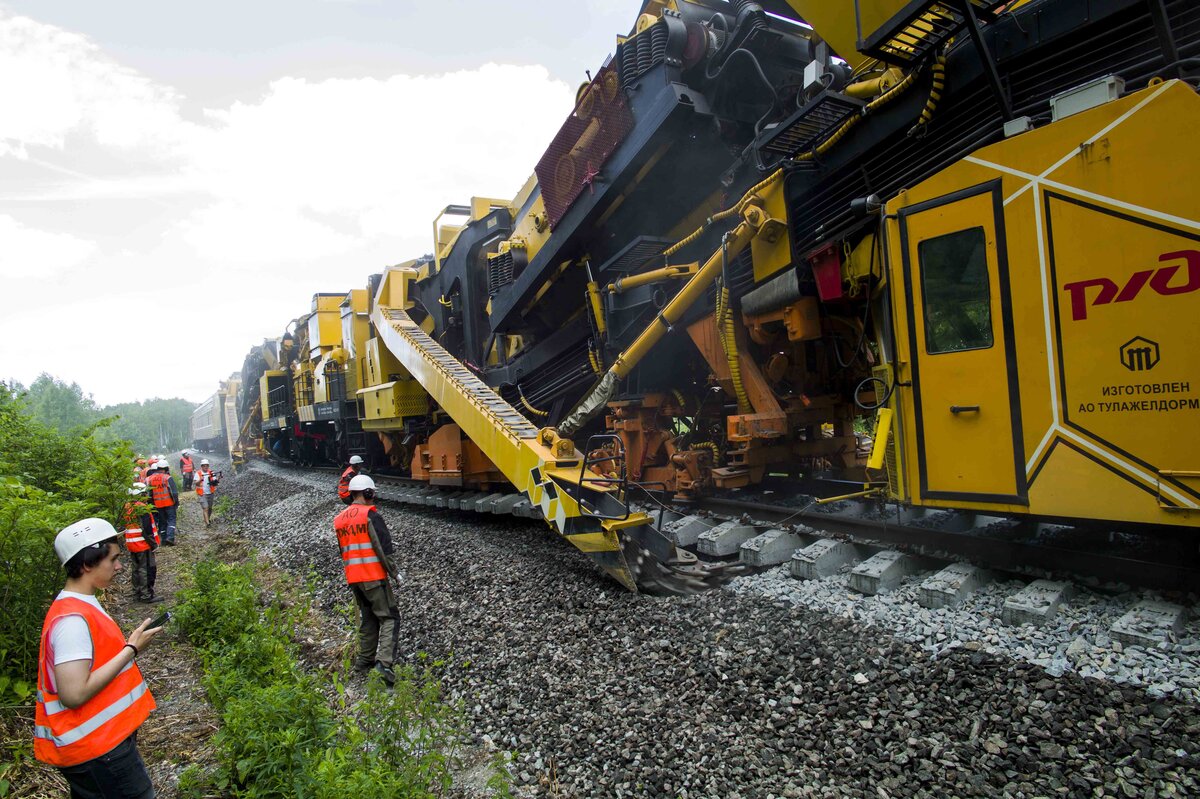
604	693
1077	640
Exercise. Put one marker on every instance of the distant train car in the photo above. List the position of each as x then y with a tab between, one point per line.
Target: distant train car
208	425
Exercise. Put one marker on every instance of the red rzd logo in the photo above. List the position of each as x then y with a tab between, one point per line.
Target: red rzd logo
1159	280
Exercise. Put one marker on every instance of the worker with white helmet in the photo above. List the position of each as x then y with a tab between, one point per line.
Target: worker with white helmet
165	498
141	540
205	483
366	546
91	697
352	471
187	468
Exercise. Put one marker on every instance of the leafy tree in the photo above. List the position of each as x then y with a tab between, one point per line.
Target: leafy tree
154	425
61	406
48	479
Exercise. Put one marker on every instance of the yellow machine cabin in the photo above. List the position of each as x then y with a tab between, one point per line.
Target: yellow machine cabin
1046	291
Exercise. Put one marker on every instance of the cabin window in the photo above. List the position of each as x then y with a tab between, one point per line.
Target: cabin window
955	292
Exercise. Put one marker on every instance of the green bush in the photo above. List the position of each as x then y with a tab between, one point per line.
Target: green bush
280	734
47	481
272	737
217	605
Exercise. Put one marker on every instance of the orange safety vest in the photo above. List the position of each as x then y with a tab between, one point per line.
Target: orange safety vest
135	541
185	465
359	557
344	483
66	736
142	474
201	477
160	495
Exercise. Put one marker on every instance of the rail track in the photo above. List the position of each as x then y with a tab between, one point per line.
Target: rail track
1021	547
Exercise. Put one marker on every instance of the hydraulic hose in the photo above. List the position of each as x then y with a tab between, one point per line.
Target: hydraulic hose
732	210
710	446
736	240
725	334
880	101
935	94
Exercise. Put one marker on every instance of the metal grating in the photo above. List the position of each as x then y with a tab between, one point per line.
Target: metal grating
920	28
499	272
1128	47
635	255
809	126
599	123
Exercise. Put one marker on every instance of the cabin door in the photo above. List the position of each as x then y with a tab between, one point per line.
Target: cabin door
965	392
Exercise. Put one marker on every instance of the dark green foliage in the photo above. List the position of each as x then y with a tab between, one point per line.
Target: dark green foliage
48	479
280	734
154	425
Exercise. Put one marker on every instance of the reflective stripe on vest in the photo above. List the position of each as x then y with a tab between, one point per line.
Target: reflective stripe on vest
160	494
185	465
135	540
359	558
66	736
203	479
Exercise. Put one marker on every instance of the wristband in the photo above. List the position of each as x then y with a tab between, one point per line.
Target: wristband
134	648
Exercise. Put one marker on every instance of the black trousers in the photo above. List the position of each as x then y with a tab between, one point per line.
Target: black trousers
120	774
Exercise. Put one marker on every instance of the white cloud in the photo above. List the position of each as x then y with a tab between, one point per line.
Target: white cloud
60	83
380	155
26	252
239	217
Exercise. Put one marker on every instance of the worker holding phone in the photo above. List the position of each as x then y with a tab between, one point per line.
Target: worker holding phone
91	696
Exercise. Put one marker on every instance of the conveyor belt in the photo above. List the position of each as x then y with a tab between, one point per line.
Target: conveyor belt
538	464
462	379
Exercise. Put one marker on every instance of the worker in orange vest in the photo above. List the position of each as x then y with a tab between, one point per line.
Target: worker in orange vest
141	539
143	469
186	469
206	488
165	498
366	546
91	697
351	472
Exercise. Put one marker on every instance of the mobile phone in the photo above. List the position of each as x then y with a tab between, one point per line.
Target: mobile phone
161	620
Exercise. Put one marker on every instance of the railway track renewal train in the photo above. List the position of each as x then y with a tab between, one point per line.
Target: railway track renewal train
945	252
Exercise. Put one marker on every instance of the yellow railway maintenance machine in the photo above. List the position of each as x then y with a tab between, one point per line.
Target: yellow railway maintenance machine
1046	292
766	222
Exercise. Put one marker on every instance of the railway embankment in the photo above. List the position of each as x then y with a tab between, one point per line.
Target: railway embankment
739	692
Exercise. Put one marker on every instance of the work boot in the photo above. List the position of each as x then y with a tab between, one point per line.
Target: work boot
152	599
363	665
386	673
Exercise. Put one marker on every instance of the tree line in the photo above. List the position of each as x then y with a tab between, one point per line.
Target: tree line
154	425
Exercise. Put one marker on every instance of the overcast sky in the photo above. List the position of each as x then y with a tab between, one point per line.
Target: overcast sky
178	179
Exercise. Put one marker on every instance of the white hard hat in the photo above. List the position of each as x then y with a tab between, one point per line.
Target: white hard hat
361	483
355	460
204	461
163	464
74	538
138	488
